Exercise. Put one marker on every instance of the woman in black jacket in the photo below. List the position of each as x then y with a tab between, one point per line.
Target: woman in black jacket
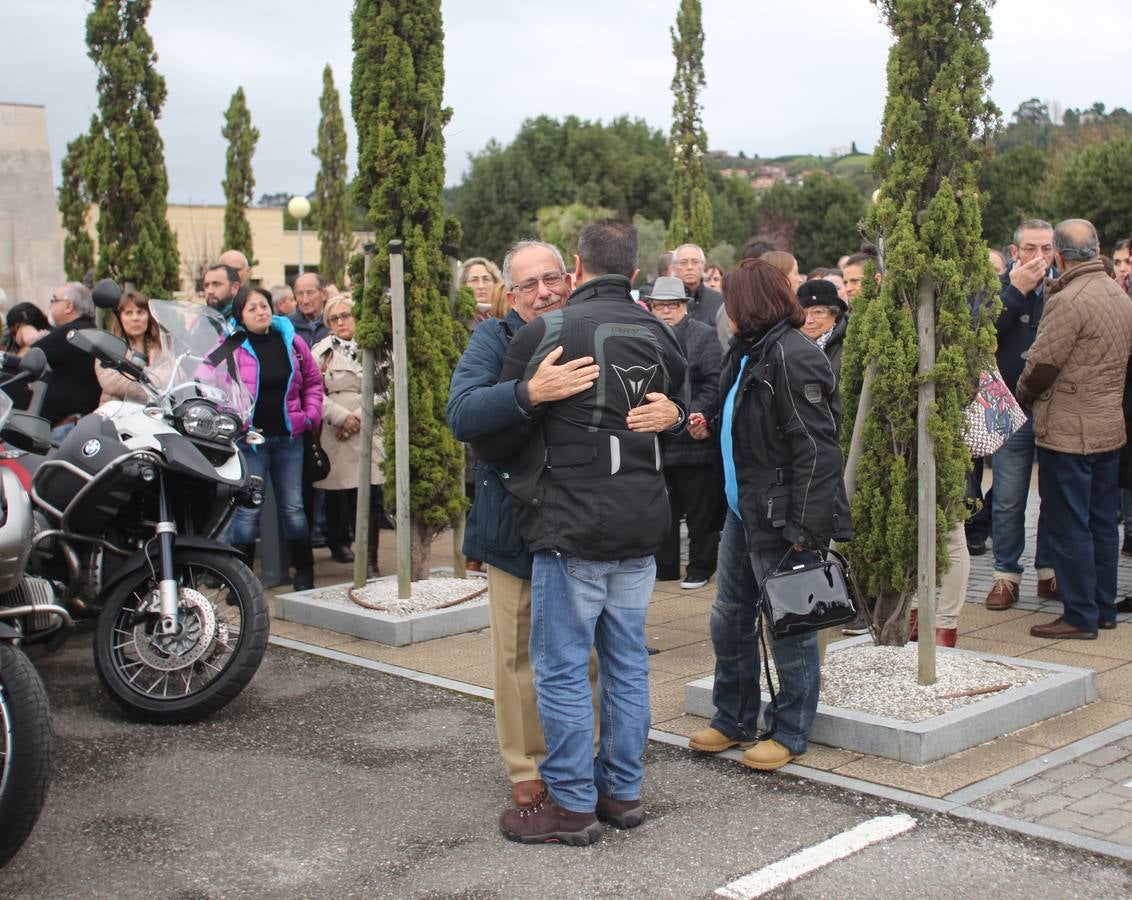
786	498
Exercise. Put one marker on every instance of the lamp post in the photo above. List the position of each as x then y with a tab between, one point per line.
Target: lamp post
299	208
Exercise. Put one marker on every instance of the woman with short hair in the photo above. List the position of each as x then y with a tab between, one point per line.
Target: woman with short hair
786	499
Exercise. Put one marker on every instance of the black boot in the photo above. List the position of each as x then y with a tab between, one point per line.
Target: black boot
303	560
374	540
247	551
341	553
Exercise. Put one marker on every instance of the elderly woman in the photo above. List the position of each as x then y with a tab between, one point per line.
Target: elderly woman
138	329
277	367
340	362
481	275
826	319
786	498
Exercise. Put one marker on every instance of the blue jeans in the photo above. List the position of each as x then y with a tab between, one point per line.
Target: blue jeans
1013	467
733	616
282	456
576	605
1081	496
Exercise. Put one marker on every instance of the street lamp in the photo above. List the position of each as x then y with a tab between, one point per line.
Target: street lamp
299	208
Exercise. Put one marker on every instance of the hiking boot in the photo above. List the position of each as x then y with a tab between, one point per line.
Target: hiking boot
712	740
766	756
619	813
1003	594
528	793
341	553
1047	588
549	823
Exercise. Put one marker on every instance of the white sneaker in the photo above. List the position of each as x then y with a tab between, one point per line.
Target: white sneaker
692	582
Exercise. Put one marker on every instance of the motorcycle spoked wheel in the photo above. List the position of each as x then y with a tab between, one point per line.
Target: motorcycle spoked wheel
25	749
187	676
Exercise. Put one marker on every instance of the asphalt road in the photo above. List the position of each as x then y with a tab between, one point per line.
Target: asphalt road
324	779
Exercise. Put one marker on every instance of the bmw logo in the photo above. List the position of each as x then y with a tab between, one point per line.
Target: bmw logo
91	448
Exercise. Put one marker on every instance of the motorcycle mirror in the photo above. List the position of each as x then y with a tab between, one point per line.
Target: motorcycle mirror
106	294
34	363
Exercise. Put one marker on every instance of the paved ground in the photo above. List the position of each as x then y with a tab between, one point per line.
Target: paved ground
327	779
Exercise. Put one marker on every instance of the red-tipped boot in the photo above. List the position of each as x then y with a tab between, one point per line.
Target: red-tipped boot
945	637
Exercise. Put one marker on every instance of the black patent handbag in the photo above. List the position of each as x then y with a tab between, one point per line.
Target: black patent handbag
809	596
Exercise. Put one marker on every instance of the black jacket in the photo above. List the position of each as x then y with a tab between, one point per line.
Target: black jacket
705	356
72	387
787	460
588	486
705	304
833	349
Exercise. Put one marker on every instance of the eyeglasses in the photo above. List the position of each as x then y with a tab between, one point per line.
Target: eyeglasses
689	263
341	317
530	285
58	299
666	305
1031	249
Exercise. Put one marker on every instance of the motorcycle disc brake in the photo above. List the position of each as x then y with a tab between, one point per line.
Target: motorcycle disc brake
194	638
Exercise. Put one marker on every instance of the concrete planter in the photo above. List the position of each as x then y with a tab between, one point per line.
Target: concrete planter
1065	689
330	608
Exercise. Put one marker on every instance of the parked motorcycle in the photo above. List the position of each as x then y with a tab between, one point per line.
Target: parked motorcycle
25	718
129	511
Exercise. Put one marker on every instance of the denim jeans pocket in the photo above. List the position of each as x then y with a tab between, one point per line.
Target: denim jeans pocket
589	569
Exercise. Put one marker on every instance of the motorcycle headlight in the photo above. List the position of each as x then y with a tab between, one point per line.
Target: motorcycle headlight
201	420
228	426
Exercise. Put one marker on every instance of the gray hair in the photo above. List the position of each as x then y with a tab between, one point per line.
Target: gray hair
79	295
279	291
1076	240
1031	225
696	247
519	246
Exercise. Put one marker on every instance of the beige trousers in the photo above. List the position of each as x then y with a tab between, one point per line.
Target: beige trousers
953	587
517	725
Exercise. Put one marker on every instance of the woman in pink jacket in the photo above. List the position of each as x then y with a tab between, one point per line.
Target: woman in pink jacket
277	367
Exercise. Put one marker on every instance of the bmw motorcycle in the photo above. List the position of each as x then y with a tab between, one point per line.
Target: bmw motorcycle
128	514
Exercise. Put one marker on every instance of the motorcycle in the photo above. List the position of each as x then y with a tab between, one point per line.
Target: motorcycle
128	514
25	717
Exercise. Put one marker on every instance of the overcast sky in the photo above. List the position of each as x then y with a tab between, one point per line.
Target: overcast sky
783	76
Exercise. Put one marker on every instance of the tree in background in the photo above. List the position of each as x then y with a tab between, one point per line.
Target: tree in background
691	218
936	122
1096	184
125	172
398	82
562	225
817	222
330	187
239	182
1012	184
74	206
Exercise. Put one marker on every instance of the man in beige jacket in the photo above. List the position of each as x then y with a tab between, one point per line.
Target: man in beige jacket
1074	380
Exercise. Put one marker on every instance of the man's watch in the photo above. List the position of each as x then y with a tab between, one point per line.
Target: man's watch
681	416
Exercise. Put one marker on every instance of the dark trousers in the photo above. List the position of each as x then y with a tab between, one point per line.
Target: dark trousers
342	511
1083	499
978	524
695	493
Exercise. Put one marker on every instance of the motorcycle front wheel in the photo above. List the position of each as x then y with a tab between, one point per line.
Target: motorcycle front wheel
25	749
187	676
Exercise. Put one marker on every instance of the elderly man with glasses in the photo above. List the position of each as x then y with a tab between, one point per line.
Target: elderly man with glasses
704	303
72	388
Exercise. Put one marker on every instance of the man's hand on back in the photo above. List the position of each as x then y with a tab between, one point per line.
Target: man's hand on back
557	382
657	414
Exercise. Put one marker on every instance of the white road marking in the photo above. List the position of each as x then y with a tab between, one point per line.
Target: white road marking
1128	785
805	861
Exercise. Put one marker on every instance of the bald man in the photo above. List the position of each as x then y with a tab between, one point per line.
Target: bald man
239	262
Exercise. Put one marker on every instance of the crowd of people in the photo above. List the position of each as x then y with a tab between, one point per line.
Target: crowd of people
598	419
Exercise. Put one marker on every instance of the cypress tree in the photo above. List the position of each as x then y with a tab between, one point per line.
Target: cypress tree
74	205
936	124
691	220
239	182
398	83
125	171
330	187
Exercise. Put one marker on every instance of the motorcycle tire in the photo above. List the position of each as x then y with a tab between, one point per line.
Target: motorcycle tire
183	678
25	749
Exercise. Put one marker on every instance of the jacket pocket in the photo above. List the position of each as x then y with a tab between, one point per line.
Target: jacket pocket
776	505
491	521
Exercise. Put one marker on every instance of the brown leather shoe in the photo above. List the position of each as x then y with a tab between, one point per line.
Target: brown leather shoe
1060	630
1002	594
945	637
1047	588
528	793
549	823
619	813
711	740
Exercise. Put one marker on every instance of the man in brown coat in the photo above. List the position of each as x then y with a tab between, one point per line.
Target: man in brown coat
1074	380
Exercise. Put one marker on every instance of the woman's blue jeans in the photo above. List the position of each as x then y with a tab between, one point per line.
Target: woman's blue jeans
733	616
281	457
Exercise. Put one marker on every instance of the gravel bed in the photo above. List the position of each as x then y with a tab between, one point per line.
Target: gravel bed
425	595
882	681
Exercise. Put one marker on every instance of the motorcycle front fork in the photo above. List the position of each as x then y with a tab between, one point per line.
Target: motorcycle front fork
169	591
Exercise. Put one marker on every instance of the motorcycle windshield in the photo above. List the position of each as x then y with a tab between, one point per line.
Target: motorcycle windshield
197	360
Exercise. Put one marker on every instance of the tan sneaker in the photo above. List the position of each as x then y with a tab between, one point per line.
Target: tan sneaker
766	756
711	740
1047	588
1002	594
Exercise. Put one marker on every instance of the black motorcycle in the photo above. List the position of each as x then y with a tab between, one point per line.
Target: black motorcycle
129	513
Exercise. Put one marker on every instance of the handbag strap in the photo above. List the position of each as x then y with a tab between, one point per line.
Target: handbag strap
745	699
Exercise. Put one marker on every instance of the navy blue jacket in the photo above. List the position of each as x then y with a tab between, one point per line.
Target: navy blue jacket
1017	326
705	357
478	407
